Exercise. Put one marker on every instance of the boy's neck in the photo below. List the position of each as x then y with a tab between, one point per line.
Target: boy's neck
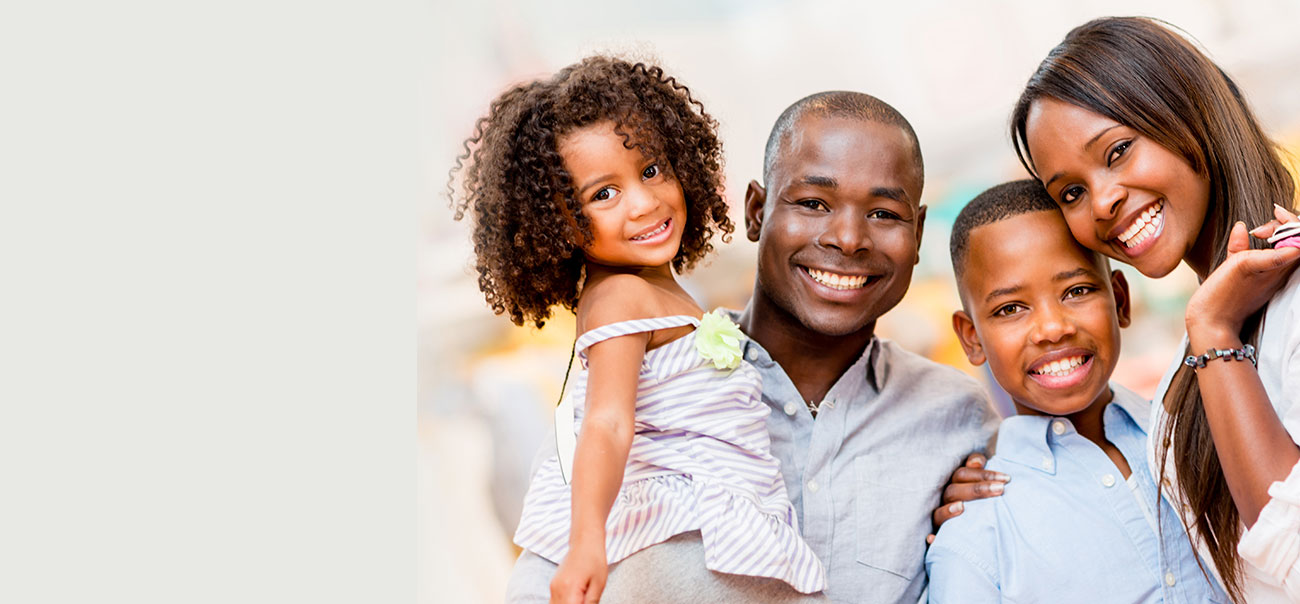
1090	424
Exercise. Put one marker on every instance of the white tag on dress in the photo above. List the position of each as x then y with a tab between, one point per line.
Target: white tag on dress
566	441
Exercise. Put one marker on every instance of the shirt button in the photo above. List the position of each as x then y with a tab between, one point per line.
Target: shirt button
812	486
790	408
752	355
1108	480
1047	463
1169	579
1058	427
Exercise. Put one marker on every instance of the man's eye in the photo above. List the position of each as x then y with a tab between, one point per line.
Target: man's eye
1118	152
650	172
883	214
812	204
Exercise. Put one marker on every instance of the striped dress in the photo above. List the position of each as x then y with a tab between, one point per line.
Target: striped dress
700	460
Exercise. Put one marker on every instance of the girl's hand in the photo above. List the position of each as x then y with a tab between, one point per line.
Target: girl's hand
580	578
1245	281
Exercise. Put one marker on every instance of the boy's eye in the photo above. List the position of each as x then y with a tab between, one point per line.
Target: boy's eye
812	204
1118	152
1071	194
651	171
1079	290
1007	310
604	194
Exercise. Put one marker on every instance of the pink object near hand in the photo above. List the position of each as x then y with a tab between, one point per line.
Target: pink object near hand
1287	235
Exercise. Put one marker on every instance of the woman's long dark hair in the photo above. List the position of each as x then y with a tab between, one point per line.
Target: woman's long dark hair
1139	73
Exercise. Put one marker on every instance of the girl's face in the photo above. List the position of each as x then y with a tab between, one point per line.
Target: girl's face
634	203
1122	194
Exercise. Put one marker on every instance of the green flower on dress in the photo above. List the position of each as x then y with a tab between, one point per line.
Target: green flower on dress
718	339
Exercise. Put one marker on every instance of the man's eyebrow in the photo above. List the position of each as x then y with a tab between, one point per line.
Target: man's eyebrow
1065	275
894	193
824	182
1003	291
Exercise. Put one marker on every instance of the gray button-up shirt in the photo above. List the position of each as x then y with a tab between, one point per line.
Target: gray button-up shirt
866	474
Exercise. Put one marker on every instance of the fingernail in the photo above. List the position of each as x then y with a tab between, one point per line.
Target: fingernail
996	488
1004	477
955	507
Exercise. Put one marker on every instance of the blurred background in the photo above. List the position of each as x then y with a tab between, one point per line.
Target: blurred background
952	68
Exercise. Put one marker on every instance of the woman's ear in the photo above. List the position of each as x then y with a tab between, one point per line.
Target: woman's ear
1123	302
964	327
755	200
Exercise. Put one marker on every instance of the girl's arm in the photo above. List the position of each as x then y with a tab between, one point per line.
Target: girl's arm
1253	446
613	369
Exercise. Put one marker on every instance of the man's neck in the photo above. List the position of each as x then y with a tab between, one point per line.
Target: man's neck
814	361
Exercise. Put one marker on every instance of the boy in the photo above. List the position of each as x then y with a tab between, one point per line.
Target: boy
1078	520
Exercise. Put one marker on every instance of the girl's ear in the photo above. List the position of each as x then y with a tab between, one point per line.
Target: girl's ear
755	199
964	327
1119	286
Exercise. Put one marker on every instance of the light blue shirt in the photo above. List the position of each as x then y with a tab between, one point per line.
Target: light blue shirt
1068	528
867	472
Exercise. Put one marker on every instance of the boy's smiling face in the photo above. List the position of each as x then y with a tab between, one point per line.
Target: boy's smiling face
1043	312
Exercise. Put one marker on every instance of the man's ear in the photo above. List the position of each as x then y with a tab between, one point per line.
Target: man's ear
1123	302
920	229
970	342
755	200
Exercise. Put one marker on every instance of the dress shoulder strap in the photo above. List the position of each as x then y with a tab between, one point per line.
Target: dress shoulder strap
622	328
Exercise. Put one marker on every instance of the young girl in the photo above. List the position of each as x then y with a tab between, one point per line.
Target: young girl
588	190
1156	159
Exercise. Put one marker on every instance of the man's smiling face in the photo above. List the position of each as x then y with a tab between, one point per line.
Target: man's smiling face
839	224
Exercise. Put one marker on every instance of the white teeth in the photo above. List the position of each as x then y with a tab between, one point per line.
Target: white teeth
1144	227
1060	368
652	233
837	281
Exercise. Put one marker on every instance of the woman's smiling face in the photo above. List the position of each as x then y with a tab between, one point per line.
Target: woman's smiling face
1122	193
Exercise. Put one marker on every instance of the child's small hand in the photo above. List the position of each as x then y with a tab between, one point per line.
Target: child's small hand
1245	281
969	482
580	578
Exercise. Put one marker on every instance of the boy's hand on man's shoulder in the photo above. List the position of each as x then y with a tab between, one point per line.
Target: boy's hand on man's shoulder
969	482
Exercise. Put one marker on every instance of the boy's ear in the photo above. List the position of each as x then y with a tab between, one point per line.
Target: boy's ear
970	342
1119	285
755	199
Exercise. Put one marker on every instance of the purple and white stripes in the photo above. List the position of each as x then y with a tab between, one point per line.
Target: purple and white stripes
700	460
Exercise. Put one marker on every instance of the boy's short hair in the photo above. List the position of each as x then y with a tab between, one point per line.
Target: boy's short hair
998	203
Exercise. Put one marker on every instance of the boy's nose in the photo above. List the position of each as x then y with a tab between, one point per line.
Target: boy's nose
1051	325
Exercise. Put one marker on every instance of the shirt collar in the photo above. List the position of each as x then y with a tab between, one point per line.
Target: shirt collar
875	368
1026	439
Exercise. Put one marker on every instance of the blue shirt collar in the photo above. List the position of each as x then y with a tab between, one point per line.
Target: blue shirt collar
1027	439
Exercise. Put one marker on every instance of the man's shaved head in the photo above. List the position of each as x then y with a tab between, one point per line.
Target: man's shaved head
842	104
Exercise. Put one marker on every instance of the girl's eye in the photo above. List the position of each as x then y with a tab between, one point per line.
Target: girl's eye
1079	290
650	172
1071	194
812	204
604	194
1007	310
1118	152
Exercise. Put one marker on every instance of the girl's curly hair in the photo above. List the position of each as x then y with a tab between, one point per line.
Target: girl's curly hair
524	207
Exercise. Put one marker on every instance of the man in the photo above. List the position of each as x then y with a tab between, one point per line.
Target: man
867	434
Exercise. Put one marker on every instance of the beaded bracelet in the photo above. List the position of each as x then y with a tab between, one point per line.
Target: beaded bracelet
1244	353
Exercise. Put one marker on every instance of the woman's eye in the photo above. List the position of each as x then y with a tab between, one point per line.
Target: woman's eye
1007	310
603	194
1118	152
1071	194
650	172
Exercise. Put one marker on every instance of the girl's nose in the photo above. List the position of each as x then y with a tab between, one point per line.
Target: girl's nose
641	201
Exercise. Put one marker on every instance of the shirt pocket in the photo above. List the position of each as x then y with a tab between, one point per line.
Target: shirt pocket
893	507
